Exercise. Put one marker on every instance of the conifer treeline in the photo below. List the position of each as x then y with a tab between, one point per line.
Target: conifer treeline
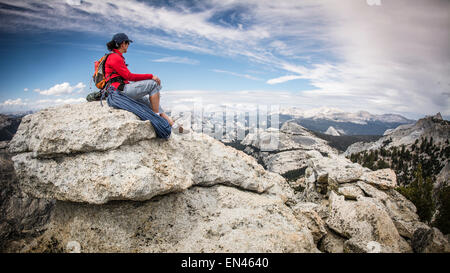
416	166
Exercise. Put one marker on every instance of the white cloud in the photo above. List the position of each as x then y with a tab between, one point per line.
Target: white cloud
11	102
62	89
175	59
284	79
25	89
19	104
392	56
247	76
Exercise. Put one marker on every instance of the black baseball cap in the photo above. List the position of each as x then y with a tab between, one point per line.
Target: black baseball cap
120	38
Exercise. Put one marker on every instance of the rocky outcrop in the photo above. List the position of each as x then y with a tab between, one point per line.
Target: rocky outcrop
365	213
407	149
114	187
384	179
22	216
364	221
120	189
104	154
215	219
308	214
289	153
429	240
360	208
429	127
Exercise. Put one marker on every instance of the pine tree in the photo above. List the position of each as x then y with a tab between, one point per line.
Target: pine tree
407	155
381	164
423	145
443	218
419	191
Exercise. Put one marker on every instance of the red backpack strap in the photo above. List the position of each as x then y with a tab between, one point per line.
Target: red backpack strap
104	65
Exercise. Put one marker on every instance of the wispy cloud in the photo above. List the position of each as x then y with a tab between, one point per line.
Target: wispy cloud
178	60
62	89
247	76
284	79
393	57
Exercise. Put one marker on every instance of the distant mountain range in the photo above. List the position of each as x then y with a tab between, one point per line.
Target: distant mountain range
337	122
334	114
329	121
430	127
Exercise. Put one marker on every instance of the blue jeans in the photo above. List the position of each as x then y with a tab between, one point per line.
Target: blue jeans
142	90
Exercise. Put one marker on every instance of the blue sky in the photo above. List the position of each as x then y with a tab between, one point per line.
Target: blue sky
379	56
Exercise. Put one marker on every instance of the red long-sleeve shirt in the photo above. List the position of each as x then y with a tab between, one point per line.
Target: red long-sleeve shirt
115	65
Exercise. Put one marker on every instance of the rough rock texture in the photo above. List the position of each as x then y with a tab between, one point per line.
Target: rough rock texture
321	180
363	220
216	219
334	168
122	161
21	215
90	163
293	141
409	141
430	240
285	161
401	210
307	213
78	128
383	179
120	189
372	217
327	173
350	192
357	246
332	243
433	126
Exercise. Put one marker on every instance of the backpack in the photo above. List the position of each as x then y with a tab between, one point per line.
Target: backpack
94	96
99	74
99	79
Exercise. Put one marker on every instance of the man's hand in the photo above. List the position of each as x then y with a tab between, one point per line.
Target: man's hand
156	79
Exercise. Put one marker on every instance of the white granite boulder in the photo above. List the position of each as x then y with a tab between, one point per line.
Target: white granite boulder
93	154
